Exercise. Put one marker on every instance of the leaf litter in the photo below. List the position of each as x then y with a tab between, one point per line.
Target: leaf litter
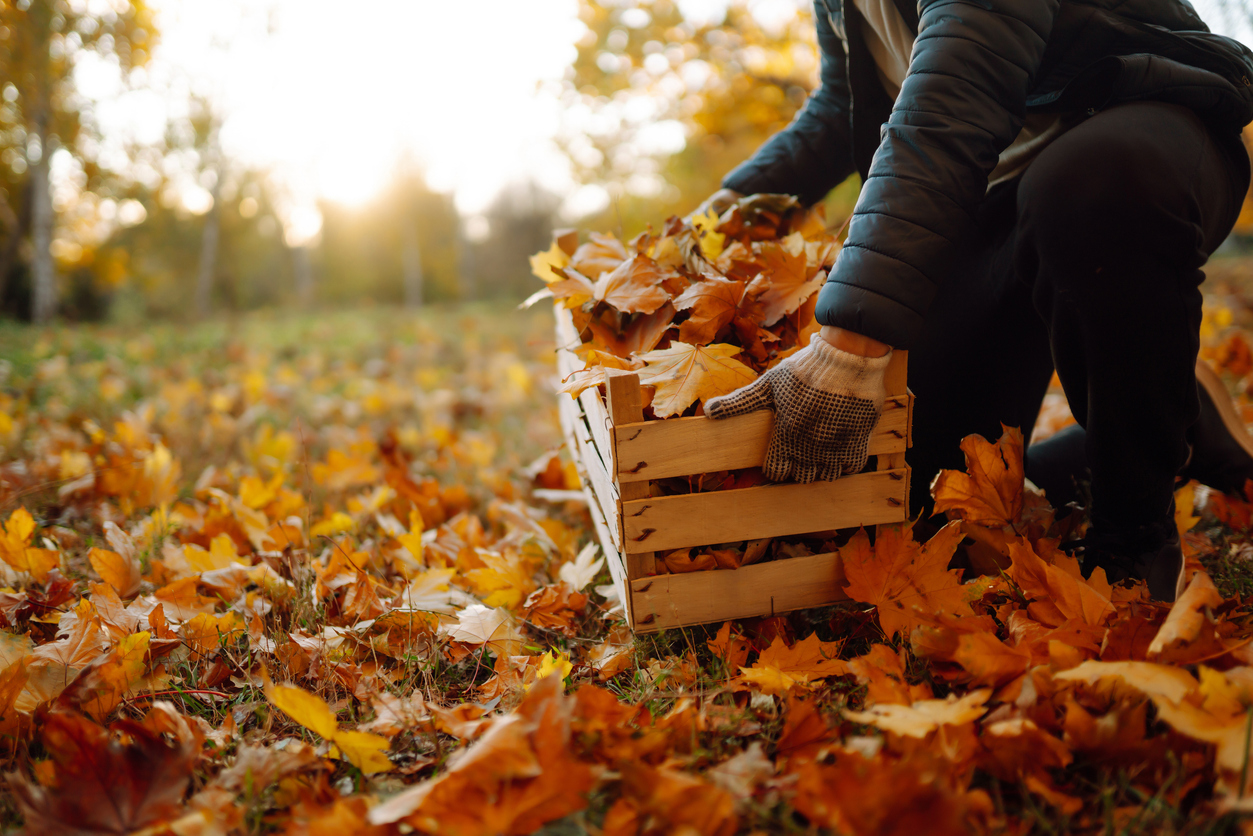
181	653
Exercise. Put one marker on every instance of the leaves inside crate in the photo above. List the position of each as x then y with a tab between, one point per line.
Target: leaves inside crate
701	308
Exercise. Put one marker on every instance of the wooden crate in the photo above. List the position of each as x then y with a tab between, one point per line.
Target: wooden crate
619	453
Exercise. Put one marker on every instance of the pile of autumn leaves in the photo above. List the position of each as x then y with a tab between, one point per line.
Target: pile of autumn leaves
700	308
380	634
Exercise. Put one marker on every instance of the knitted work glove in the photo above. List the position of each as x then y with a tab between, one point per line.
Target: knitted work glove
826	404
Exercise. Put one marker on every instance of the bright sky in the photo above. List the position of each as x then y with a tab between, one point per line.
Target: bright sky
331	94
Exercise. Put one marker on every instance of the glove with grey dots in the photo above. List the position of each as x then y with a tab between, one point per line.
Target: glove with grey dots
826	403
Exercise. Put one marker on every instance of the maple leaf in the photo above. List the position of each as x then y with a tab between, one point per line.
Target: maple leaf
1057	595
102	685
427	592
924	716
122	573
363	750
641	334
899	574
546	265
1190	635
677	801
121	779
711	241
684	374
519	775
884	796
733	650
601	254
784	282
633	286
492	628
779	668
882	671
990	492
714	302
555	607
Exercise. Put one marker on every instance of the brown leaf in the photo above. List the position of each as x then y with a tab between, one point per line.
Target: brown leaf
714	302
633	286
115	780
601	254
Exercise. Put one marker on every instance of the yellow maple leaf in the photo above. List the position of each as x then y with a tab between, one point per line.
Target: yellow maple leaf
546	264
337	523
779	668
711	241
684	374
362	749
552	662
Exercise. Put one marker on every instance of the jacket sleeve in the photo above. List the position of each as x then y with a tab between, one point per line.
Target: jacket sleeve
962	103
813	154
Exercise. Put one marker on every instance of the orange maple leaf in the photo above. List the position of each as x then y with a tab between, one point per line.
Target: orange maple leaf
898	574
784	282
1057	596
990	492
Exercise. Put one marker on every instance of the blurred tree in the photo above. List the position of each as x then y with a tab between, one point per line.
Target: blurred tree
41	43
518	223
662	107
400	247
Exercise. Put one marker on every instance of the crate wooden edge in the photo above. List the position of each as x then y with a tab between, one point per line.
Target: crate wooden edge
665	601
662	523
687	446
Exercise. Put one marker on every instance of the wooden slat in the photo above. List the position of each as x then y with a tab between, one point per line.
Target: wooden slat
613	556
895	376
593	470
675	522
623	397
683	446
593	406
762	589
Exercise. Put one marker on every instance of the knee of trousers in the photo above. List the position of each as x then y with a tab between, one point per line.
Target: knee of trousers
1101	210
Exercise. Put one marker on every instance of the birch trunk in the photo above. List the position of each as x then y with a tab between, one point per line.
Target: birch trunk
209	254
43	275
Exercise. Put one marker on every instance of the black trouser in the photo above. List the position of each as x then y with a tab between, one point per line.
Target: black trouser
1089	263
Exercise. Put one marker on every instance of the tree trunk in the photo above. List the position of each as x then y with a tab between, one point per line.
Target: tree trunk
19	228
304	275
43	276
209	254
465	264
411	258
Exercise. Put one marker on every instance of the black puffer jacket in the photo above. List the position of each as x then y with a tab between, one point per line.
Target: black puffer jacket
978	67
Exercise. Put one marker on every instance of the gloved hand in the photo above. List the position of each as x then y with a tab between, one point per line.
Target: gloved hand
718	202
826	404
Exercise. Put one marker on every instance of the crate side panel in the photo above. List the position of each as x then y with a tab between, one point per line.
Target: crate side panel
683	446
668	601
593	471
593	405
675	522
